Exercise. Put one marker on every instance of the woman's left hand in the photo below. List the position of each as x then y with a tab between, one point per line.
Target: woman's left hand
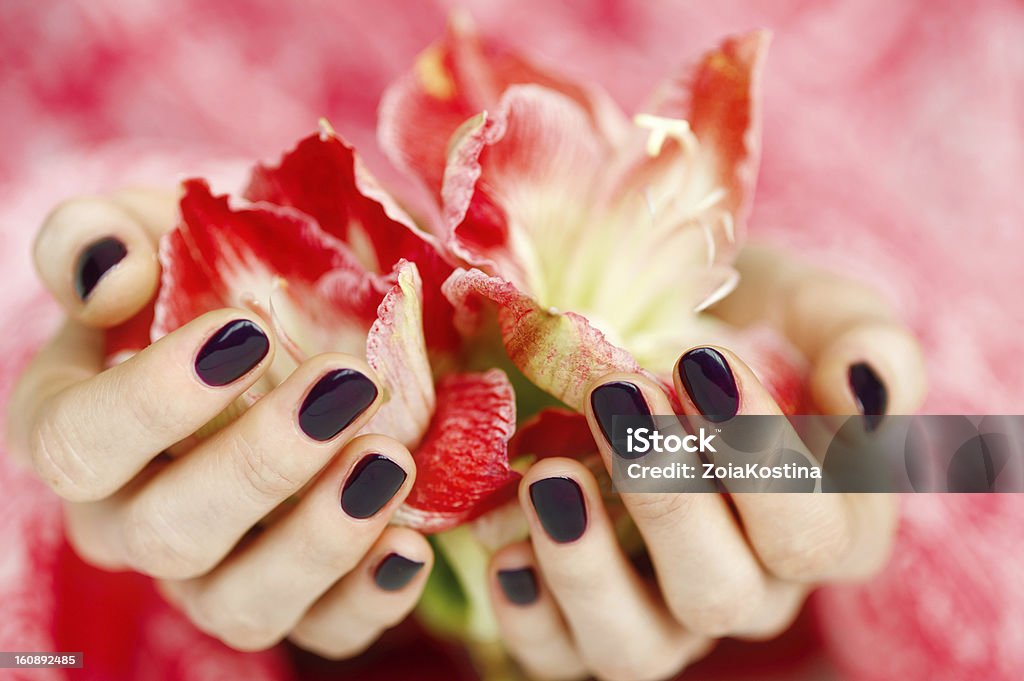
569	602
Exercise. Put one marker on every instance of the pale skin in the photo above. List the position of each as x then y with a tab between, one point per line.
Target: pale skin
95	437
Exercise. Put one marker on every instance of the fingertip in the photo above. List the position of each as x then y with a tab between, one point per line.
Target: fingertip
714	383
873	370
97	261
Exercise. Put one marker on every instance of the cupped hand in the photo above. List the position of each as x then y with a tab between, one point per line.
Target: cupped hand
324	570
569	602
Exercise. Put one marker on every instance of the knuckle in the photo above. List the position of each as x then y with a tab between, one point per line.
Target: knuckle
153	547
262	476
719	611
237	626
630	663
331	647
57	456
807	554
660	509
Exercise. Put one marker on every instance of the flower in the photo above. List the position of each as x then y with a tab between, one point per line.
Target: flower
325	255
596	244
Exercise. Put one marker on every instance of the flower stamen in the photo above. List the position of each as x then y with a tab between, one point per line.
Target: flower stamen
662	128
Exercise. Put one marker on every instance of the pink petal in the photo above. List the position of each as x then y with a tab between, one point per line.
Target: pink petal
455	79
519	183
720	98
562	353
462	466
325	179
396	349
124	340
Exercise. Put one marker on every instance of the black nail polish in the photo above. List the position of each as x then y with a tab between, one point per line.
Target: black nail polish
870	394
560	508
710	384
94	262
620	399
395	571
519	586
334	402
231	353
370	485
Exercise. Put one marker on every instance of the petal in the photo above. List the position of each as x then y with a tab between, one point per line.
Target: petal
274	260
462	466
713	170
519	184
562	353
553	432
325	179
457	78
397	352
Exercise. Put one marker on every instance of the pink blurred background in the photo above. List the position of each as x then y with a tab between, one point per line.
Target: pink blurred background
893	151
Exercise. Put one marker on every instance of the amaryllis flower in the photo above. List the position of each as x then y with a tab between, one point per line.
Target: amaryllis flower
332	262
597	241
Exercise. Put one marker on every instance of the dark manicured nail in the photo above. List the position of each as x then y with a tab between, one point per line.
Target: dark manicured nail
620	399
560	508
870	394
519	586
395	571
94	262
334	402
370	485
231	353
710	384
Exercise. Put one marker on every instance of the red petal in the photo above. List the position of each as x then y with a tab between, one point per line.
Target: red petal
324	178
455	79
553	432
462	466
221	257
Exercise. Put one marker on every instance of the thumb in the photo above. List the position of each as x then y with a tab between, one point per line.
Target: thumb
98	256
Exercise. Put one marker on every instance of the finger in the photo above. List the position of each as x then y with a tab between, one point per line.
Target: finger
797	536
777	612
710	579
532	627
156	209
378	594
98	260
622	631
258	594
87	438
247	469
863	360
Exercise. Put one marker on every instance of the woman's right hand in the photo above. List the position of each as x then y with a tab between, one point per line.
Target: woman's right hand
329	574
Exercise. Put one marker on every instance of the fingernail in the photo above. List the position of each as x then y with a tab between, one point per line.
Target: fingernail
519	586
94	262
370	485
231	353
395	571
869	392
620	399
560	508
710	384
334	402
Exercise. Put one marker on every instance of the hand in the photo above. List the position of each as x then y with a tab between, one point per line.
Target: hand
569	602
331	576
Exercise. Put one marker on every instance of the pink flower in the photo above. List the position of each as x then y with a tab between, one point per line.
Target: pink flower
596	242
